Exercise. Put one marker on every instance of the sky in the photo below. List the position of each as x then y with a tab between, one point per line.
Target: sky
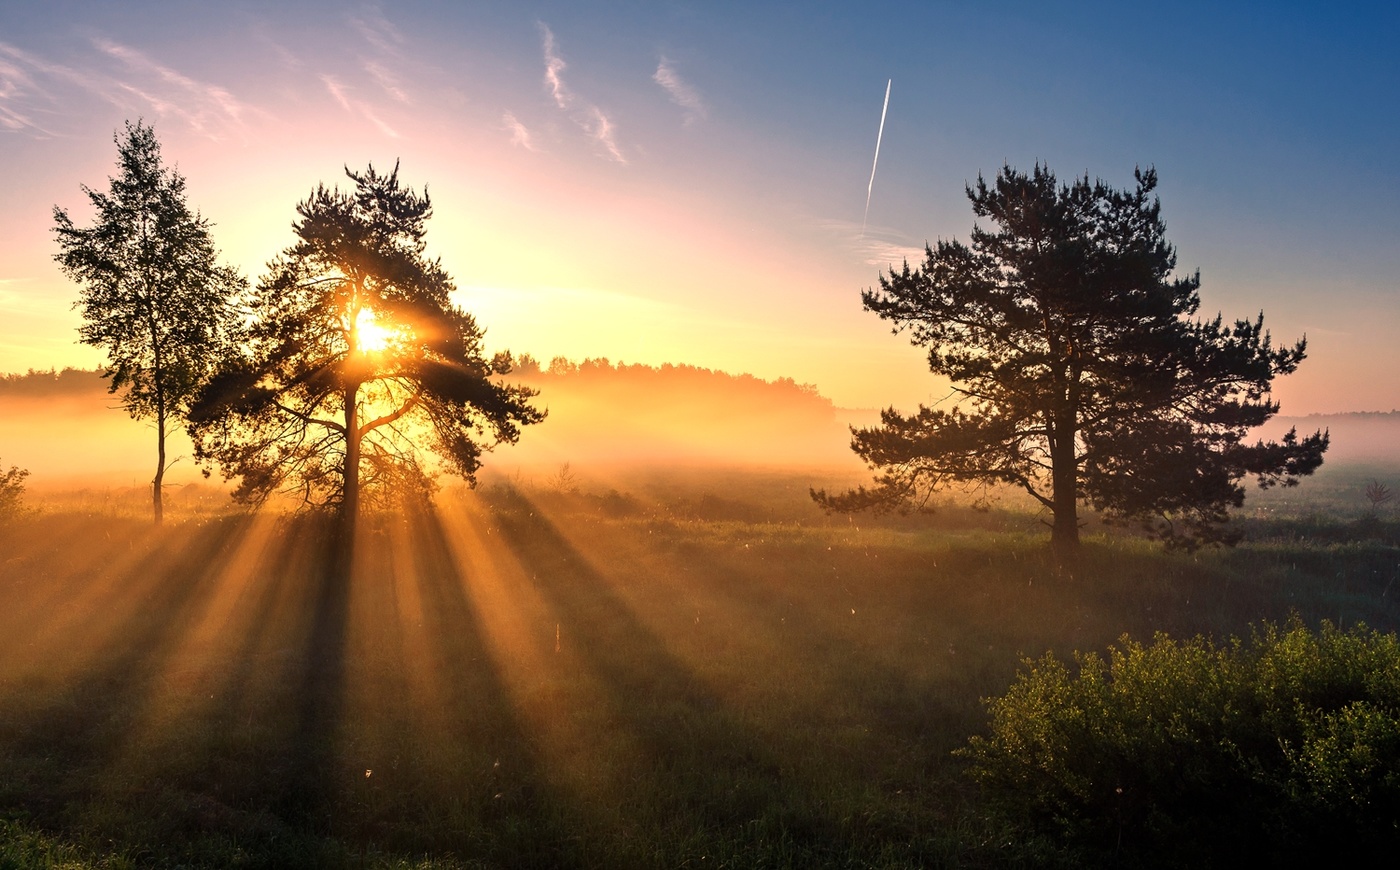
687	181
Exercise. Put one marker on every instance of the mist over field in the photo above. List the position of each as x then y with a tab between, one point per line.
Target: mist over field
606	420
71	433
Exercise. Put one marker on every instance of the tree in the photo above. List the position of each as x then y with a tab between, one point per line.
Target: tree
353	354
153	294
1081	371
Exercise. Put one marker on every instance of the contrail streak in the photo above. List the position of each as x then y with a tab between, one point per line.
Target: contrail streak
878	136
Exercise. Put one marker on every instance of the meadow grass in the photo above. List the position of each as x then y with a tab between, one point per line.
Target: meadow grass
662	676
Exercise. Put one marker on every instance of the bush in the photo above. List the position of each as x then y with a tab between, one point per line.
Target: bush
11	491
1284	748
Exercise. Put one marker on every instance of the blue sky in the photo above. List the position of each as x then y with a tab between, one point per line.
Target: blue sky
690	182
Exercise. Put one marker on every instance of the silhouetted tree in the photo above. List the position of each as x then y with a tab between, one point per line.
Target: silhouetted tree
353	356
153	295
1081	372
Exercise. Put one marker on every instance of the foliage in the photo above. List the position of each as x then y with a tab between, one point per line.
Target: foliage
1284	748
354	354
153	295
11	490
1080	371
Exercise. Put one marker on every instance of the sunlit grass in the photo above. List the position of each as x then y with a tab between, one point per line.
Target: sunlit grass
528	677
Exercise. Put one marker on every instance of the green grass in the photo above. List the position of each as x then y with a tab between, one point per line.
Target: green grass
704	674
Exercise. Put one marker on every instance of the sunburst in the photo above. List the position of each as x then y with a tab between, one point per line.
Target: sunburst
373	336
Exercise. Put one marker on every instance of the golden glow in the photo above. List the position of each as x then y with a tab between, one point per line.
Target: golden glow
372	336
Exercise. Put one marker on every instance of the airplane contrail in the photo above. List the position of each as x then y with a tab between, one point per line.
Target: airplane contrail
878	136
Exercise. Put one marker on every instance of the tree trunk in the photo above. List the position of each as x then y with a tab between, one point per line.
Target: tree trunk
157	485
350	501
157	373
1064	533
158	378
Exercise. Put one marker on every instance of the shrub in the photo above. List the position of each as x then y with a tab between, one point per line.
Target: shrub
1282	748
11	491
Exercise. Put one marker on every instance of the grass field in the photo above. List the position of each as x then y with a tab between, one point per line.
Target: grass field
687	672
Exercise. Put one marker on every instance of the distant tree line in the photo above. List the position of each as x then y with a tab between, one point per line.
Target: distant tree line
673	375
50	382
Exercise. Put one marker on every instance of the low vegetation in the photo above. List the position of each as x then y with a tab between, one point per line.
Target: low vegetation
655	671
1282	749
11	491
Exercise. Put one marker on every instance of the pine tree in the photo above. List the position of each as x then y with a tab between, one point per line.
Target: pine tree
1082	371
353	356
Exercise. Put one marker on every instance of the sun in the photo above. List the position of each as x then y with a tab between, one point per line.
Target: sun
373	336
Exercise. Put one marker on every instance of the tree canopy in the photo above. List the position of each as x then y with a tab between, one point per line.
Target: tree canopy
352	356
1080	368
153	294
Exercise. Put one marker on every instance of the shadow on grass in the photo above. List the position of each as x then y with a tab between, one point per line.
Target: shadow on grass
698	775
512	685
206	703
68	713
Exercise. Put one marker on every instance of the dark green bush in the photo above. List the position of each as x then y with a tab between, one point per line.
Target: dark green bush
1283	748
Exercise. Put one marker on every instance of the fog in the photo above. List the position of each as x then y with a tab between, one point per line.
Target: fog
606	422
71	434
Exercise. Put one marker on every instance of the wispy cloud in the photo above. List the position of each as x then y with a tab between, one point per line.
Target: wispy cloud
386	45
206	107
681	93
387	80
337	90
519	133
288	58
878	246
379	122
588	116
602	132
32	86
554	67
879	253
341	93
377	30
23	98
15	86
